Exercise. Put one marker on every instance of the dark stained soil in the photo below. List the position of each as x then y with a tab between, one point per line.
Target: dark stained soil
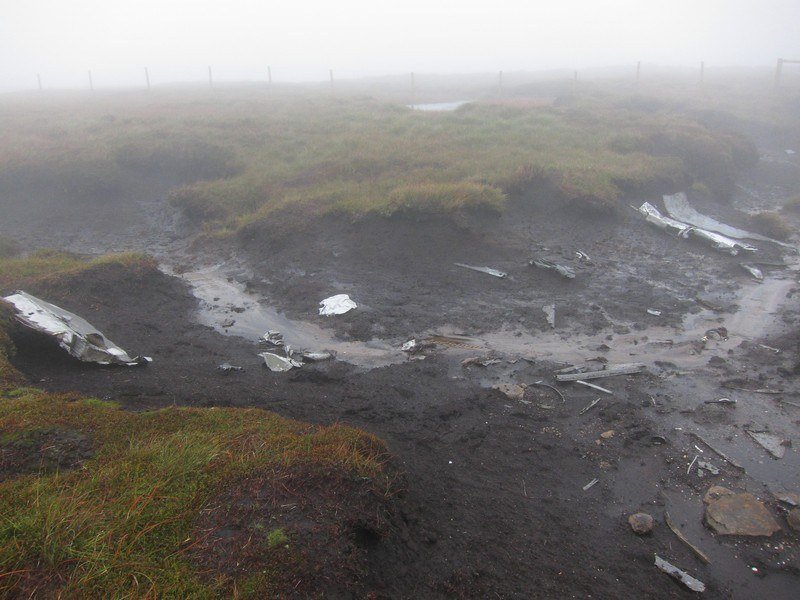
495	504
43	451
320	529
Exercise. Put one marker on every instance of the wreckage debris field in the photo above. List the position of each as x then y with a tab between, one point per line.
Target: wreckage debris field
506	360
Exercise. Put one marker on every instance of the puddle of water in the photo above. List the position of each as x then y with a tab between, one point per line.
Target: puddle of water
758	303
221	299
439	106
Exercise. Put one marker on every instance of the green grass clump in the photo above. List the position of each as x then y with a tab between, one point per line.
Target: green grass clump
277	538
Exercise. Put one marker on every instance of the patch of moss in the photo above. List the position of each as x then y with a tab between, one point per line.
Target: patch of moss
277	538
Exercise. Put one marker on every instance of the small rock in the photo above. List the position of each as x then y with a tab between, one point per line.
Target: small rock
607	434
708	467
641	523
511	390
740	514
481	361
227	323
793	518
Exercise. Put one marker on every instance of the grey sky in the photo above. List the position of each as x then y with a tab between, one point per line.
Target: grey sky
302	39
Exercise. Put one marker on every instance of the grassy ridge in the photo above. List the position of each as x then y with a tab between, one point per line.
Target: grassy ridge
246	156
100	502
45	264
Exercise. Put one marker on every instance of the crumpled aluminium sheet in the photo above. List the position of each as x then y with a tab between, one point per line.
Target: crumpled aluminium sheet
549	265
279	363
653	216
336	305
75	335
718	241
678	207
487	270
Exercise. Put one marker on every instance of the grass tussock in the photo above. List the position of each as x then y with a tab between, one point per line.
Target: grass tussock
444	197
772	224
244	157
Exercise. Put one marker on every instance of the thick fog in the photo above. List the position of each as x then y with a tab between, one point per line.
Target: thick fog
177	40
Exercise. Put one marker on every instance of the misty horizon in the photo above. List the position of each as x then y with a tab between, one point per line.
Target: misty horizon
177	42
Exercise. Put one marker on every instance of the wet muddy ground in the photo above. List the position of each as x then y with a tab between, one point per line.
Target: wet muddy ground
495	504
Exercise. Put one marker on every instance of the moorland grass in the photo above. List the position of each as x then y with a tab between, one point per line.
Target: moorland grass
246	157
121	525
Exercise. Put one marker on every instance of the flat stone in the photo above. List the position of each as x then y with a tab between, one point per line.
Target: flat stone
607	434
641	523
793	518
773	444
740	514
790	498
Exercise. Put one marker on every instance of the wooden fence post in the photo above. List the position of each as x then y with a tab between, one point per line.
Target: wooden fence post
210	78
39	80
